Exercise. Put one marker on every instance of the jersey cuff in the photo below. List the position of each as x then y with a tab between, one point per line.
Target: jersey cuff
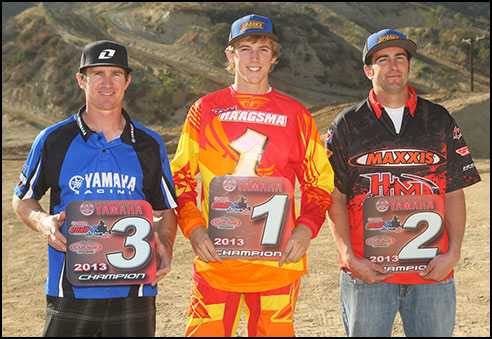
187	229
189	217
309	224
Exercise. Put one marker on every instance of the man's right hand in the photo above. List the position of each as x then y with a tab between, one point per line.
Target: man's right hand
49	226
34	216
367	271
203	246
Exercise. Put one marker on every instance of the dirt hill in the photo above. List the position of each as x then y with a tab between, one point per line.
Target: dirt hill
176	51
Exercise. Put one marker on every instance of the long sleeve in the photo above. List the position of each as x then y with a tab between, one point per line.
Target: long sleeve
184	167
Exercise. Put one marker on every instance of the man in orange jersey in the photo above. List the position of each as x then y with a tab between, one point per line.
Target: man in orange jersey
398	214
249	143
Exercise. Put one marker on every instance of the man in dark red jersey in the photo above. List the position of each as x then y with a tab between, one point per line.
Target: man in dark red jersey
398	214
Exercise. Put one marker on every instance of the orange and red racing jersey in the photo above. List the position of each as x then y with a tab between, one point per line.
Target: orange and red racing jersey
270	135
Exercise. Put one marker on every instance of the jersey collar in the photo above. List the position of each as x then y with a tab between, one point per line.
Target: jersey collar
377	107
127	136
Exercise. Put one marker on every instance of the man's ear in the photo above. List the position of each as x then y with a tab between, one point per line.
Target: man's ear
369	72
230	56
80	80
128	81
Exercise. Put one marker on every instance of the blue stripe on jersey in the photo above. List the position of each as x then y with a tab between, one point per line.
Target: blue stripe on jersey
78	164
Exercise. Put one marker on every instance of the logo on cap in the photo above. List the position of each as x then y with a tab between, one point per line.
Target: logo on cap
107	54
388	37
252	25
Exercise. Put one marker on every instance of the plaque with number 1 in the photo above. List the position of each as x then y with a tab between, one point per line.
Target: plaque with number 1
250	217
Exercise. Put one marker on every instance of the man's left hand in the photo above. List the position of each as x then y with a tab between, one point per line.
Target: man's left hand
297	244
439	267
162	260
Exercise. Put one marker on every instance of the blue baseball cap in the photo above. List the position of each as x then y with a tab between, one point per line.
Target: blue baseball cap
252	25
387	38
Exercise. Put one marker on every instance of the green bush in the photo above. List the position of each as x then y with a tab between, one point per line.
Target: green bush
104	22
19	57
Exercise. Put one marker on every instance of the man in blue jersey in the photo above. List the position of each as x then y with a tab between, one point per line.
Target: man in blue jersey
99	154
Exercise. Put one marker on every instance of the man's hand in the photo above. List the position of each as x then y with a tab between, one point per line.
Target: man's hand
162	260
455	223
49	226
203	246
297	244
165	227
439	267
34	216
367	271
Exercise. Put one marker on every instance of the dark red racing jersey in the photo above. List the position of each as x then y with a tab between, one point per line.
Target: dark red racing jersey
396	183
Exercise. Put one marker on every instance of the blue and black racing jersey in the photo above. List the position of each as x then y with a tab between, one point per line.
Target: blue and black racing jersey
79	164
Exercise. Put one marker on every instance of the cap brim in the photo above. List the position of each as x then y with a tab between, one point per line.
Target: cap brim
106	64
407	45
265	34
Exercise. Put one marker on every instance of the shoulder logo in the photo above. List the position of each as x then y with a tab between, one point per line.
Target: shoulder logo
463	151
329	136
456	133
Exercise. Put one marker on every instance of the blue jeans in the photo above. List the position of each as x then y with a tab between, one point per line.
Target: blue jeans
426	310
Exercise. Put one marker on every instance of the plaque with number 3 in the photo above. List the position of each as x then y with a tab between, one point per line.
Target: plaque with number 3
110	242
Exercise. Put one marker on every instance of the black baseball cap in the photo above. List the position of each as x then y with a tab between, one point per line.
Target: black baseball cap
104	53
387	38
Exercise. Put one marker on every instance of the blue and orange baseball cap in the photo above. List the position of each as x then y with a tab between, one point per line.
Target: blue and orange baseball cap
252	25
387	38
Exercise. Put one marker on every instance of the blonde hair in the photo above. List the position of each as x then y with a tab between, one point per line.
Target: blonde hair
230	67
